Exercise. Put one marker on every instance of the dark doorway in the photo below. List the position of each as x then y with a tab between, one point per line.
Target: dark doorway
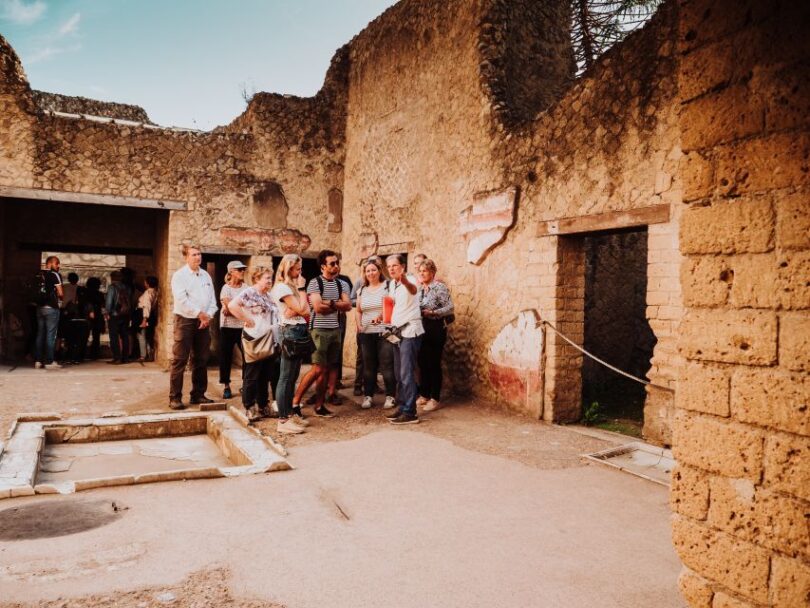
90	240
616	329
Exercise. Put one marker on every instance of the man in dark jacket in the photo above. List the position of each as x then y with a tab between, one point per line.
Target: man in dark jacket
118	304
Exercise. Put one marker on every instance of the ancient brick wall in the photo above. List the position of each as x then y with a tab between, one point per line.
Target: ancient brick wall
741	491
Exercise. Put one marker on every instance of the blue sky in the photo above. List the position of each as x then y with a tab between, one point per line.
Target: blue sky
184	61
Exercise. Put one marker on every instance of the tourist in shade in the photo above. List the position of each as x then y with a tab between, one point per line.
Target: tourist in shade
293	310
230	328
256	309
118	304
146	318
437	308
96	316
49	296
378	355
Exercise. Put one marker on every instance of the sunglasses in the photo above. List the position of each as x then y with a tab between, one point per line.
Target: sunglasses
333	263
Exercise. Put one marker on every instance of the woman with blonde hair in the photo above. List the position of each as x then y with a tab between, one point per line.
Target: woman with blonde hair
293	312
256	308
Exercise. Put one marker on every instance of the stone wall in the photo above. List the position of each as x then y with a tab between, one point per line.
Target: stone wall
54	102
741	491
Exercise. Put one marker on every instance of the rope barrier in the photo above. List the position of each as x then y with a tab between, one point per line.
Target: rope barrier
606	364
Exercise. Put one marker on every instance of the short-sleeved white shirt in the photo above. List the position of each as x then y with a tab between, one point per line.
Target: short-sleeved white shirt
406	309
279	291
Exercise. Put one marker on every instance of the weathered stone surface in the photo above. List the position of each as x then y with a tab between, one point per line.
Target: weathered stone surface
703	389
763	164
743	336
715	445
721	116
689	492
793	220
790	582
745	225
695	589
787	464
720	557
775	399
81	105
794	341
723	600
761	516
706	280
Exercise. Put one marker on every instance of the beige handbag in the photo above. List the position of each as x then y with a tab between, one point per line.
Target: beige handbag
259	348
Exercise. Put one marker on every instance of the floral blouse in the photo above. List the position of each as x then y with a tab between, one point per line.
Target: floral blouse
436	298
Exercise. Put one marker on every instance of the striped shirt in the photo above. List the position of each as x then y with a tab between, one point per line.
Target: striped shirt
330	292
371	301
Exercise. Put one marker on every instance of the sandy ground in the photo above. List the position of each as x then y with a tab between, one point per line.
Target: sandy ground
473	507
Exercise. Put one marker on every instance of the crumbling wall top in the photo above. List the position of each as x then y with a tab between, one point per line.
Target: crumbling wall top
55	102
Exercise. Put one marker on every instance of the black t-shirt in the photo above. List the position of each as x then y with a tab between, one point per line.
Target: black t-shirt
52	279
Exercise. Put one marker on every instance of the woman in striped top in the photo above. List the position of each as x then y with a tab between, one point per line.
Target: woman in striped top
378	355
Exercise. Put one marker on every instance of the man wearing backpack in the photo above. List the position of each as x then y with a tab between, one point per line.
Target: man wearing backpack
48	297
328	296
118	304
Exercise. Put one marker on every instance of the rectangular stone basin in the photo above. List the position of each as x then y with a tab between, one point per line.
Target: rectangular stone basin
63	456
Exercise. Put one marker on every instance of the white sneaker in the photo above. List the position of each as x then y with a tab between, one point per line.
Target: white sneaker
421	401
366	405
274	406
299	420
288	427
39	365
53	365
253	414
431	406
389	403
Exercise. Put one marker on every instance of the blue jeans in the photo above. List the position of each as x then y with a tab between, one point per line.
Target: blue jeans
47	325
405	354
290	368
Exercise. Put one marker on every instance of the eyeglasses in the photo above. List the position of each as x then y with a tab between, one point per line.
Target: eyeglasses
333	263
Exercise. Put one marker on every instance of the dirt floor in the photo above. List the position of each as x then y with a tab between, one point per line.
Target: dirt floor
475	506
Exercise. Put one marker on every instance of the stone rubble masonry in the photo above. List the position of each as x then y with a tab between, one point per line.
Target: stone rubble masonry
741	490
55	102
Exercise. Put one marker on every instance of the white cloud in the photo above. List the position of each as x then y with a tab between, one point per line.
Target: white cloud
71	26
47	52
21	12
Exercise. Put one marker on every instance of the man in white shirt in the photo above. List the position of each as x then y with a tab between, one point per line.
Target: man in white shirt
408	317
195	304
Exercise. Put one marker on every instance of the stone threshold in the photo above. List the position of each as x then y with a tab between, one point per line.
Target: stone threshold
250	452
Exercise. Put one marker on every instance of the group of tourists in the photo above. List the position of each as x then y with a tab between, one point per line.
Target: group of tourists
280	320
75	316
